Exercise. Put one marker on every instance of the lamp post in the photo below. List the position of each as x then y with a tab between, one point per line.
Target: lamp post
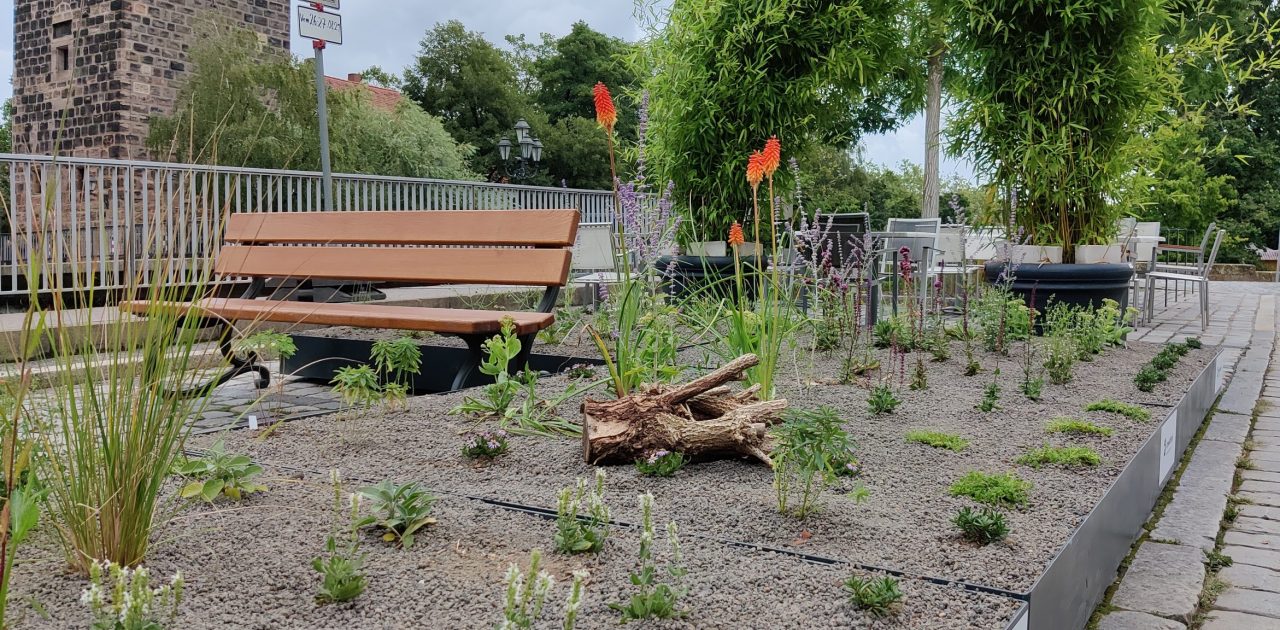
530	153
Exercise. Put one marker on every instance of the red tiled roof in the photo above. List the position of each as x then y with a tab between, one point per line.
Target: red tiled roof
383	98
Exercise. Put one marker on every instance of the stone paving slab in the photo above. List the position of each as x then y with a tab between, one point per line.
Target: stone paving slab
1194	514
1129	620
1261	475
1255	525
1251	577
1228	427
1257	557
1265	456
1227	620
1250	485
1250	539
1163	580
1260	511
1261	498
1259	603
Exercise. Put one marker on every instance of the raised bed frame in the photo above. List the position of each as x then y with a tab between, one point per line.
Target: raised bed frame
1066	593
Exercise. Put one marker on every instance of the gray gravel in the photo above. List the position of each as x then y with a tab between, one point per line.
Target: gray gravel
247	566
903	524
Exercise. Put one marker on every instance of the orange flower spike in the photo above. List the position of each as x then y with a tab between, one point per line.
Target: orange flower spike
772	156
755	169
736	237
606	115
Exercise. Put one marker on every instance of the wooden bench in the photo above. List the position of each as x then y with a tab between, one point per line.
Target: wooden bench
488	247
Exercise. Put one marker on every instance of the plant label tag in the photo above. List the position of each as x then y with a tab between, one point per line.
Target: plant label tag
1168	446
253	423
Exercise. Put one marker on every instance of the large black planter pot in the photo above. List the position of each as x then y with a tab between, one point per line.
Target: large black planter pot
1077	285
704	276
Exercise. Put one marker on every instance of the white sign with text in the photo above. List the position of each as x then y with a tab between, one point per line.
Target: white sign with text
1168	446
313	24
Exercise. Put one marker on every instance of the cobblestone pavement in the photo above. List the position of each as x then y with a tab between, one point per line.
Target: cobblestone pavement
235	401
1174	580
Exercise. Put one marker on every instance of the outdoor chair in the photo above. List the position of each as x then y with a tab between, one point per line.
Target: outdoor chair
1183	265
594	258
921	251
1200	279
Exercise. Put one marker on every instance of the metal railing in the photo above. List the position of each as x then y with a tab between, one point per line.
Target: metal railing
116	218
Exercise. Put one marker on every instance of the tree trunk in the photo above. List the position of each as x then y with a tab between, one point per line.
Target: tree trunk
932	134
702	419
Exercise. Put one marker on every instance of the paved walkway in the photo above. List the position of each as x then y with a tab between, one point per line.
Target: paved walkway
1175	577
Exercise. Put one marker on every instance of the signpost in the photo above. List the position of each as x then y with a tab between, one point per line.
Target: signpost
322	28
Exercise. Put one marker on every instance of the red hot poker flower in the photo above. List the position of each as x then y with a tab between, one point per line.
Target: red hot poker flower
736	237
772	155
755	169
606	115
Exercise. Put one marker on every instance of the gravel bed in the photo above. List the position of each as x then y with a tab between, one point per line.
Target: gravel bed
903	524
247	565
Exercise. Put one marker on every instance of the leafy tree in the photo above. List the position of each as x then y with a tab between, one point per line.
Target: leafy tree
571	65
724	76
244	105
472	86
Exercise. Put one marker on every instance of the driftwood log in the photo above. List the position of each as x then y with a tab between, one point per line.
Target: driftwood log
703	419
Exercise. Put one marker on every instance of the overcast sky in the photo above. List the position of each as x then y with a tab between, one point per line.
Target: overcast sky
386	33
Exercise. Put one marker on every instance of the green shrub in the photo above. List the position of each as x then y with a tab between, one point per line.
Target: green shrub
1133	412
882	400
1001	489
399	510
874	595
938	440
1068	456
811	450
983	526
219	473
1077	427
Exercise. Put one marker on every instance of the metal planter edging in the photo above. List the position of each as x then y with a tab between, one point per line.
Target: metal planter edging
1075	581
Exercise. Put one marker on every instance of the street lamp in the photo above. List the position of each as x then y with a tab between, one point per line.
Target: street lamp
530	152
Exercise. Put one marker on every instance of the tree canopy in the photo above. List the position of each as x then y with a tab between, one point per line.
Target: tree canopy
244	105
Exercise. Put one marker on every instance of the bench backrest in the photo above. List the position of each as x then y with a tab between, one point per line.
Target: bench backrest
517	247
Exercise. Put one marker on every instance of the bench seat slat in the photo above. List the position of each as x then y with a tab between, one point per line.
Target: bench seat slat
525	267
439	320
537	228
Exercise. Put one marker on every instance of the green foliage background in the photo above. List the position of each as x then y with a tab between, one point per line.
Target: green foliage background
725	75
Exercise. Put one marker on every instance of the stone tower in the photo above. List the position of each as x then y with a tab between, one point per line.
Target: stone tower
92	72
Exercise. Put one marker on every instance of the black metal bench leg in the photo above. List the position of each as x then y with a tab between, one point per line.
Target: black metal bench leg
236	367
470	365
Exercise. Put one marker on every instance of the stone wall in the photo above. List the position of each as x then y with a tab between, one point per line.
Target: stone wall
88	74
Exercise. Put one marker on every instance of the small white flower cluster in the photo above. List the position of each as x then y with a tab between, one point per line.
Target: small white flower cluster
126	600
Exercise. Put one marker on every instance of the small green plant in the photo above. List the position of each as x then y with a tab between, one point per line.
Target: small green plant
580	371
1164	360
399	510
1215	561
1132	412
527	593
656	599
939	343
398	361
1033	388
990	396
120	598
218	473
889	331
919	376
938	440
660	463
485	444
1004	489
1148	377
1060	358
340	569
1178	349
1244	462
882	400
1068	456
1193	343
877	596
497	396
811	448
357	385
576	531
983	526
1076	427
537	416
972	367
267	344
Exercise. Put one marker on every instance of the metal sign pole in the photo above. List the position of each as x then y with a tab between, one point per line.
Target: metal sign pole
322	109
